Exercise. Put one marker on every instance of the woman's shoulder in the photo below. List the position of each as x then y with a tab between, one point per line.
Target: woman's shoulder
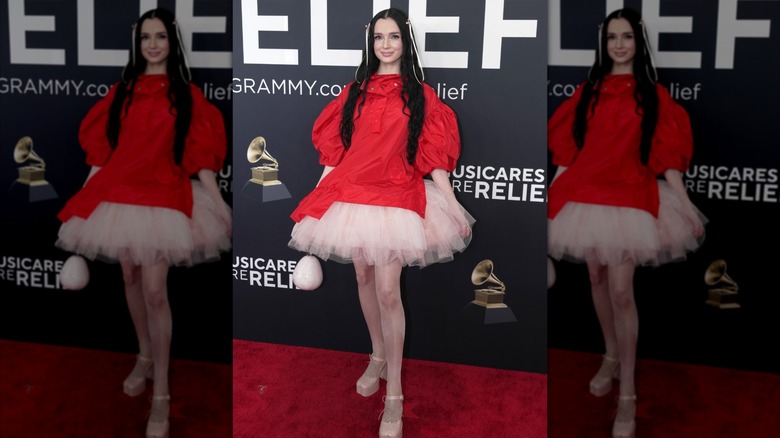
338	101
196	89
662	90
346	89
429	90
571	100
103	102
432	98
116	85
435	107
665	97
198	97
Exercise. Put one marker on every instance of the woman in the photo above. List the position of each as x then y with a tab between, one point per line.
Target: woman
139	207
372	206
611	140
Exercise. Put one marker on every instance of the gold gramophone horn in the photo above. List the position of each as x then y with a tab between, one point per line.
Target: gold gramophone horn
23	151
716	275
256	152
483	272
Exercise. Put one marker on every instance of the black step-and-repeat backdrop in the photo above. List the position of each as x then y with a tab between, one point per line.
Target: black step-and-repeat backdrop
56	60
487	60
720	61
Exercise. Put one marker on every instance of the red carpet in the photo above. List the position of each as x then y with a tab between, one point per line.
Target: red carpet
284	391
674	400
52	391
287	392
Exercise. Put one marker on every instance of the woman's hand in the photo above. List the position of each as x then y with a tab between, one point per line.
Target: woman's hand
693	219
674	179
442	181
465	229
209	180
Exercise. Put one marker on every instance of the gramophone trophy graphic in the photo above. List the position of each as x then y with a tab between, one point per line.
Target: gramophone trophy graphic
723	292
31	186
264	186
488	305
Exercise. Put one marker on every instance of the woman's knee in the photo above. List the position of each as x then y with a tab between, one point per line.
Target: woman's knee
596	278
389	297
364	275
131	275
597	273
156	297
622	297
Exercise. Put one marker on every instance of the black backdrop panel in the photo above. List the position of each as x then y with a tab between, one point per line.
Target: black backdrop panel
720	61
57	59
487	59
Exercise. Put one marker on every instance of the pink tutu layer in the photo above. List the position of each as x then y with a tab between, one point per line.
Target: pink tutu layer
146	235
615	235
378	235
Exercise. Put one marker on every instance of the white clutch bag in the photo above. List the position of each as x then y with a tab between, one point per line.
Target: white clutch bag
74	274
307	274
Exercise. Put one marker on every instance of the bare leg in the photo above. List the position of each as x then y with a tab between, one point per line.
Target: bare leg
370	305
134	294
155	286
601	384
621	285
388	290
621	282
135	383
602	302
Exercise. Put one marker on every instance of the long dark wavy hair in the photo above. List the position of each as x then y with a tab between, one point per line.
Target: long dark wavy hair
645	93
412	90
179	93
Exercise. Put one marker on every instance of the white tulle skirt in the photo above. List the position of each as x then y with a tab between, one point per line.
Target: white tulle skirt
378	235
615	235
146	235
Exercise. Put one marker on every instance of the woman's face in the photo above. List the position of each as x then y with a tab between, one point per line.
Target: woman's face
388	46
621	45
155	45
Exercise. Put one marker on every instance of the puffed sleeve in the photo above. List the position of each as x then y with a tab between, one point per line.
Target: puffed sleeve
560	138
326	133
438	146
92	131
673	140
206	143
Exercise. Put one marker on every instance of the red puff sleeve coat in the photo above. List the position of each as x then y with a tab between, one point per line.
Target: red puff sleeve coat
141	170
608	170
375	170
